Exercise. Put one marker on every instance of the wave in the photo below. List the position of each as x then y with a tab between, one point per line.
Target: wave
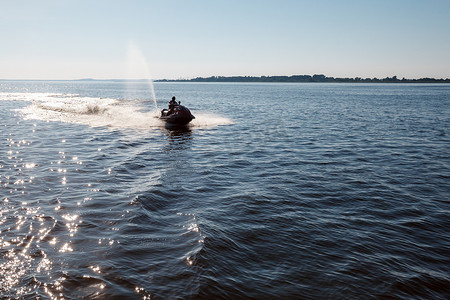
77	105
99	112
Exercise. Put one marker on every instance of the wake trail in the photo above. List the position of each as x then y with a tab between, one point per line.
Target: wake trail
100	112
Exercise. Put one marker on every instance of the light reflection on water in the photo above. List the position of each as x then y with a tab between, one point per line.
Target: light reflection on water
345	197
59	223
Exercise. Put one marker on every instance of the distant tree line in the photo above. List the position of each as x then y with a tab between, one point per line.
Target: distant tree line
305	78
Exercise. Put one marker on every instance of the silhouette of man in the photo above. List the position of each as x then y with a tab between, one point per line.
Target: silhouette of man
172	104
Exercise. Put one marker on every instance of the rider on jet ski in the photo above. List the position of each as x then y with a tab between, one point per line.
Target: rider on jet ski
172	104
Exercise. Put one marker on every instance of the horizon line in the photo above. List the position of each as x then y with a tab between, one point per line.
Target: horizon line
223	76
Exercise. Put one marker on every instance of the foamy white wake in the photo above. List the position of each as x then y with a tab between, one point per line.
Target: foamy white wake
205	119
98	112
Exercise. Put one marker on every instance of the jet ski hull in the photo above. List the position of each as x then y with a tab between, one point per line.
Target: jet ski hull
180	116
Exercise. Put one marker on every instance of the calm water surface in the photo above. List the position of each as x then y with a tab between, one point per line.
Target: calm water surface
276	191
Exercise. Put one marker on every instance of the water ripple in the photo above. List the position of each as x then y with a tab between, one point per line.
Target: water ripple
345	197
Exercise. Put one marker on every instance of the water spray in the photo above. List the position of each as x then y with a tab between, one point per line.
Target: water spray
137	68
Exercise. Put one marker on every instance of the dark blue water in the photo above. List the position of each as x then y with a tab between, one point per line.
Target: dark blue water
276	191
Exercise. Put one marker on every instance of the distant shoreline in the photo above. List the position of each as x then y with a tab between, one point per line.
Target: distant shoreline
306	78
264	79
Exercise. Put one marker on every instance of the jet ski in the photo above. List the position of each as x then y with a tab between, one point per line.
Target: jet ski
179	115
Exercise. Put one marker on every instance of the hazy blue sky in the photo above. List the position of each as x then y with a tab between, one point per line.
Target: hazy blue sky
69	39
